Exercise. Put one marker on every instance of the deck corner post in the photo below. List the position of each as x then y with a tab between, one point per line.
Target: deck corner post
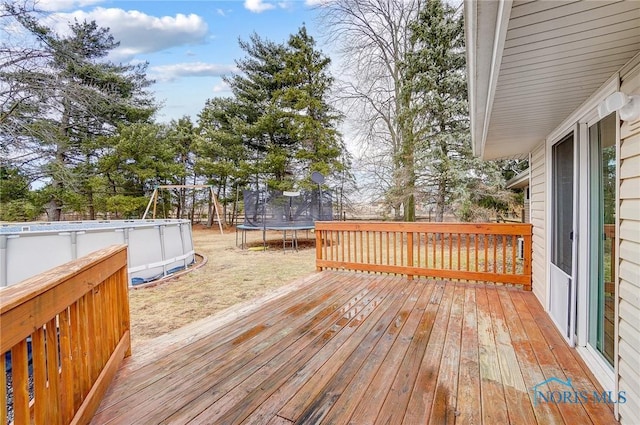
318	248
528	254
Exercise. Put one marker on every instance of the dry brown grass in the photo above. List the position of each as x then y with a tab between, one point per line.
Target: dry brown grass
231	276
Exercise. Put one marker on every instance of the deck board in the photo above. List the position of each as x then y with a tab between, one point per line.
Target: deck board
342	348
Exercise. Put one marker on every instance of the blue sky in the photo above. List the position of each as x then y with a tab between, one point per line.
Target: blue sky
189	44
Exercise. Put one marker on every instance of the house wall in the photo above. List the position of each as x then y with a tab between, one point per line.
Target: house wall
537	218
629	261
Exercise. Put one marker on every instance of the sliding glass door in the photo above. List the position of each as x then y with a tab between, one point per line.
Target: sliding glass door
601	316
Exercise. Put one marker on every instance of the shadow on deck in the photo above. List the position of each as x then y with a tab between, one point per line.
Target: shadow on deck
353	348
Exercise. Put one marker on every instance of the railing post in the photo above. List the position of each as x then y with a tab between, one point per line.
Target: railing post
318	248
124	314
528	254
410	253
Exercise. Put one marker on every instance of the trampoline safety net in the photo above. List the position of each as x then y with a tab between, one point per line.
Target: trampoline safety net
274	209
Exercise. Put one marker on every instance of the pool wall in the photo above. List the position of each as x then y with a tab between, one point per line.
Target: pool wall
156	248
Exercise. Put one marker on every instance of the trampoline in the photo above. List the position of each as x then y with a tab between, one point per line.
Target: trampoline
286	212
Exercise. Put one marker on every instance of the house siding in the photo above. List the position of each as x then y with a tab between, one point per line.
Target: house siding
537	218
629	261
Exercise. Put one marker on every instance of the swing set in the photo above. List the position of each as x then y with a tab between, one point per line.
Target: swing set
212	197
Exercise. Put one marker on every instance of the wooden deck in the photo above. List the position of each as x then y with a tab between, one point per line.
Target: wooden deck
340	347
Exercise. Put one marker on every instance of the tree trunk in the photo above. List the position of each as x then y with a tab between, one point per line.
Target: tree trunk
234	216
441	199
224	196
410	208
409	186
55	204
211	212
92	209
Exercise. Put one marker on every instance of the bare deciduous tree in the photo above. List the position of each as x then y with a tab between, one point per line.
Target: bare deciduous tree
373	38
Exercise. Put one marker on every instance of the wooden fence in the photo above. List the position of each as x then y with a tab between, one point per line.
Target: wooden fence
66	330
461	251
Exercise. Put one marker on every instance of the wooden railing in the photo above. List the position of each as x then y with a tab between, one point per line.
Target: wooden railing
66	330
460	251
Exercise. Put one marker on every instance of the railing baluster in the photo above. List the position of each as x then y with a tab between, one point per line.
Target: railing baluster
348	243
40	388
467	237
395	256
74	317
504	254
485	240
361	247
368	247
495	253
92	327
3	389
388	249
66	369
375	251
476	250
20	378
410	252
514	249
51	343
85	345
450	251
434	239
332	246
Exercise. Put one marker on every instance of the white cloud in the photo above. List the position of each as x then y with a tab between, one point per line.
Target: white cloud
138	32
189	69
59	5
221	87
312	3
257	6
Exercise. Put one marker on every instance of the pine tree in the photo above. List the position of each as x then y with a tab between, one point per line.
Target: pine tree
450	177
72	100
311	120
436	95
282	110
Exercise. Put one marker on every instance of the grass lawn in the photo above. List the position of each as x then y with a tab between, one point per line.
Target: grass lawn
231	276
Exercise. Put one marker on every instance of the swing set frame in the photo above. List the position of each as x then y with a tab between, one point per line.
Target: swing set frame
154	199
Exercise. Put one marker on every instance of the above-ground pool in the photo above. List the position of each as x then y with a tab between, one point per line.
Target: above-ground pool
156	248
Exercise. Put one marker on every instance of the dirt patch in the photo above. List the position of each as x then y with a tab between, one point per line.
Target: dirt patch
231	275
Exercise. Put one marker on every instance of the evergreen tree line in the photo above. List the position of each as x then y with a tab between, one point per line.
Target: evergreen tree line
78	132
82	128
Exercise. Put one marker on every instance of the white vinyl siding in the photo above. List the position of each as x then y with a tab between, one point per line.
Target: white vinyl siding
537	204
629	263
556	54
